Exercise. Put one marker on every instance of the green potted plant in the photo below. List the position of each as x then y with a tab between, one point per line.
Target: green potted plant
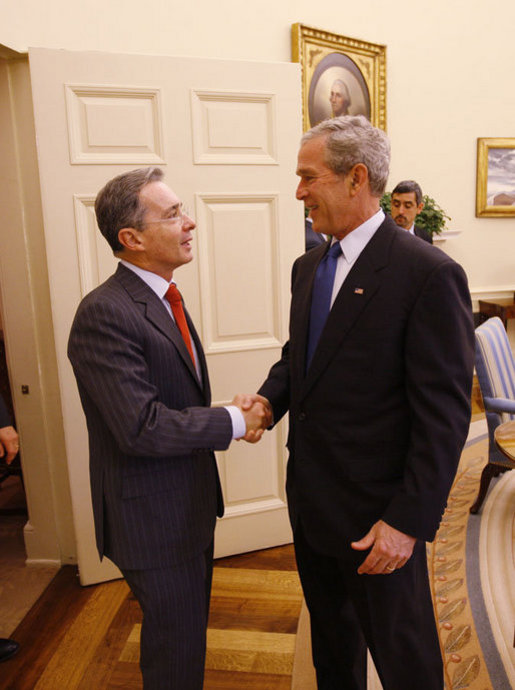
432	218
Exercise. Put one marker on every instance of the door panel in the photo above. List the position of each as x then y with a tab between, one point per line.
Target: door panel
226	134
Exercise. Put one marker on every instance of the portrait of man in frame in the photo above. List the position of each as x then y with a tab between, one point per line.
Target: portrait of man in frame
337	88
340	76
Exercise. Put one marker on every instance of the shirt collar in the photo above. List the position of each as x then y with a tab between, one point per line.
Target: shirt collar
353	244
156	283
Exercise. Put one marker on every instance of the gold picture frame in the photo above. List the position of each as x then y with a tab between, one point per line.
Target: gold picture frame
495	191
355	66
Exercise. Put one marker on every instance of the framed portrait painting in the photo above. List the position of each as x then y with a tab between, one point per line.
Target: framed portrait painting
340	76
495	192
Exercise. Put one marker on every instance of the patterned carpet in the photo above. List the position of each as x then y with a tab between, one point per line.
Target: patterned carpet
472	571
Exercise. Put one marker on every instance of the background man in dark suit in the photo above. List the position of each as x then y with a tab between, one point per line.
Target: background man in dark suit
379	409
9	446
407	203
144	387
313	239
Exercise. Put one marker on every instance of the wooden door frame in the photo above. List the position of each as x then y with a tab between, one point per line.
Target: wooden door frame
27	324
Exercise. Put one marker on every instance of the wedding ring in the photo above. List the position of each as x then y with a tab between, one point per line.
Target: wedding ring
390	569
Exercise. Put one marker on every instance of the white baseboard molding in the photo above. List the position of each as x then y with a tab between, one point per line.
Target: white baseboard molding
446	235
46	562
491	293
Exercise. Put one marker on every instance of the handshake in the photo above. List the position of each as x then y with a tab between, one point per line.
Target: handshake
257	413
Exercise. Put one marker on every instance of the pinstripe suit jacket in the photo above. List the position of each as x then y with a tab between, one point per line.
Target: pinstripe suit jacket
154	482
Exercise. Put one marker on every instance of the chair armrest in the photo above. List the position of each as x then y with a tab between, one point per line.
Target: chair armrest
499	405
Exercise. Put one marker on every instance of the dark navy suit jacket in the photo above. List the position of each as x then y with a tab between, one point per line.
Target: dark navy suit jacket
378	422
312	238
423	234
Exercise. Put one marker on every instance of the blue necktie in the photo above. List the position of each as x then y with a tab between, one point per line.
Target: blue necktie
321	298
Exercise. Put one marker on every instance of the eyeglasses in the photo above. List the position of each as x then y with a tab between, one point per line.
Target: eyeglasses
179	215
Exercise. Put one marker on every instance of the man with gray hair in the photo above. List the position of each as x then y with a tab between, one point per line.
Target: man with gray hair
144	387
376	377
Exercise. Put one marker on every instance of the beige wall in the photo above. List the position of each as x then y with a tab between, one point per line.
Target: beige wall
449	75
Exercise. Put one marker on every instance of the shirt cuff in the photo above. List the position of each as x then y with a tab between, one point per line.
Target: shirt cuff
239	428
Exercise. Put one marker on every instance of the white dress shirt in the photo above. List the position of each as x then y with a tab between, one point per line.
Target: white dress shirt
352	245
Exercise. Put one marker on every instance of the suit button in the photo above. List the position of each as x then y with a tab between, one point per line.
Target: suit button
302	416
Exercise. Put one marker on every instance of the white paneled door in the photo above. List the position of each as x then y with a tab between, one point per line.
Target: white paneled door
226	134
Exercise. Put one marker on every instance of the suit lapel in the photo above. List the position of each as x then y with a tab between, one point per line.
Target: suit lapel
201	358
157	315
358	289
301	306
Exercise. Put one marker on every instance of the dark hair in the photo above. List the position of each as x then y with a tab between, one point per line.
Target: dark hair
118	205
407	186
351	139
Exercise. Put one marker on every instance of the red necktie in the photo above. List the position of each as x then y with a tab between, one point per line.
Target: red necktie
174	297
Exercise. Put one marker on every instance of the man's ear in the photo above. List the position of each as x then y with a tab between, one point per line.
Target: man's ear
420	207
130	239
358	177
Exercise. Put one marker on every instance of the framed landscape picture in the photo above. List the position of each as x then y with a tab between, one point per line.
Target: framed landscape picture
495	191
340	76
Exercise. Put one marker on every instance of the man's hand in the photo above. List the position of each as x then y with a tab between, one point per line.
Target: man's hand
9	443
257	413
391	549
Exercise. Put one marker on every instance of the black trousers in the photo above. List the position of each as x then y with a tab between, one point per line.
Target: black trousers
175	605
392	615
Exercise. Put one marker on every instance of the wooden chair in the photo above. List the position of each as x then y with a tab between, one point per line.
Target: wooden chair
495	368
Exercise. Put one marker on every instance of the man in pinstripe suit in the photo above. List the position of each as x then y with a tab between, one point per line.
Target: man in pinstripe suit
155	486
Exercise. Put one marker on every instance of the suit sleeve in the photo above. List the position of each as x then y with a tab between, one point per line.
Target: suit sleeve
439	357
5	419
110	363
276	388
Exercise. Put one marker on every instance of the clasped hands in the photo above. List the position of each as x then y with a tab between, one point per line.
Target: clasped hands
257	413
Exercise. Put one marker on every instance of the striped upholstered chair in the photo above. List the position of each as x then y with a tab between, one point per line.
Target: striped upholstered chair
495	370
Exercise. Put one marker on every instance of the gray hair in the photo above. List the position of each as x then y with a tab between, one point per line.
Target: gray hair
118	204
407	186
351	139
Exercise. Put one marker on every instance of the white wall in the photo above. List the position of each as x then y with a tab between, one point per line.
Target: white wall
449	79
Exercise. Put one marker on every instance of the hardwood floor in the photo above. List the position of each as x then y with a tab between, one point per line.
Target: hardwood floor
87	638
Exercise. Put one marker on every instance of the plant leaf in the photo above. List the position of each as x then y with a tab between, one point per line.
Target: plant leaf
453	609
449	567
446	532
458	638
466	673
448	587
451	547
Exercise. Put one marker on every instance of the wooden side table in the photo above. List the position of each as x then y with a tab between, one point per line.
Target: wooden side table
503	307
504	436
